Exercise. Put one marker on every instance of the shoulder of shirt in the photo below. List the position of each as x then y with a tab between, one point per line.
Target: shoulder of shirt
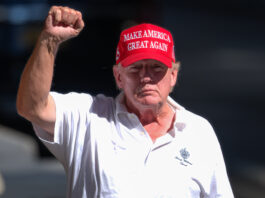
77	99
80	95
188	116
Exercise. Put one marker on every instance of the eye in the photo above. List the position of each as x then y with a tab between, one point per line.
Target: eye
134	68
158	68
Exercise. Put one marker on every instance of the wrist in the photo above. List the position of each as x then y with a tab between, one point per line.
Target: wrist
49	41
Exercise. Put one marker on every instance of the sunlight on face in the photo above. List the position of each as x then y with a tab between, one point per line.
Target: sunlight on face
146	71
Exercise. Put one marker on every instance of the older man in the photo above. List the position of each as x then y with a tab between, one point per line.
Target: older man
140	144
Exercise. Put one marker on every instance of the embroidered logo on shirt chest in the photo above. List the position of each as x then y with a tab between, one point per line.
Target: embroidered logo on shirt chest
184	156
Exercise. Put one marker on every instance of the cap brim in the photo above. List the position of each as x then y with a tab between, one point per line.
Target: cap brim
145	55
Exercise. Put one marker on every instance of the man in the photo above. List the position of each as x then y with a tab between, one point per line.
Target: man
140	144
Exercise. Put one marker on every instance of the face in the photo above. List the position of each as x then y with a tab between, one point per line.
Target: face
145	83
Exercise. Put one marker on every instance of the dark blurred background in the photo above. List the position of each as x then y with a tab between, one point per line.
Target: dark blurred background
221	45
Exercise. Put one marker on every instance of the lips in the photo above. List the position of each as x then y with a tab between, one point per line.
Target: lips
146	91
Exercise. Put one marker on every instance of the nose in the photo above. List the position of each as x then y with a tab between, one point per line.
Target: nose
145	75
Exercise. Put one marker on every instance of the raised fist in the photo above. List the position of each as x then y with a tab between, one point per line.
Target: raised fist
63	23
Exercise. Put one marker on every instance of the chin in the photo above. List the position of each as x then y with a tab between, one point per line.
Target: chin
149	101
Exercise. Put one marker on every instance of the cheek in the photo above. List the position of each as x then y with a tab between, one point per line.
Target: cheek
130	80
165	84
168	81
132	85
128	84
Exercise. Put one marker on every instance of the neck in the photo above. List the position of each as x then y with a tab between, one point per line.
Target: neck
151	113
147	116
156	119
159	123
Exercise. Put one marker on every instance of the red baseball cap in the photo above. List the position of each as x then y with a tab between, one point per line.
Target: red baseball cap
145	41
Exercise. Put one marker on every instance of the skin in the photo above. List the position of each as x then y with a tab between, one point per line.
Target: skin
146	85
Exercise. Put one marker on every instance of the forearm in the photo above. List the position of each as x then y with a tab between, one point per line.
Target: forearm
36	79
33	100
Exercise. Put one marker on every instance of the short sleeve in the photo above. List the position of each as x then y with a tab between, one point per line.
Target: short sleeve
72	117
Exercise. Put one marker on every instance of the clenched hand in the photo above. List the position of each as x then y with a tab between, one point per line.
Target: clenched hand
63	23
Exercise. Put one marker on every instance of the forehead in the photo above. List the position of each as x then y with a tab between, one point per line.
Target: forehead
148	62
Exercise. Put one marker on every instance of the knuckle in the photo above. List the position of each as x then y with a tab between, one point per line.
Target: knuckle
54	8
58	13
66	9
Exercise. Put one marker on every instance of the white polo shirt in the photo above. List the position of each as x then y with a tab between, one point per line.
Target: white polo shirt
107	153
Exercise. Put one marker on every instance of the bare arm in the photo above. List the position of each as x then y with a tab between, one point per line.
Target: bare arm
33	100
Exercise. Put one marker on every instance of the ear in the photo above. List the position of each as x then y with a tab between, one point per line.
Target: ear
174	74
117	75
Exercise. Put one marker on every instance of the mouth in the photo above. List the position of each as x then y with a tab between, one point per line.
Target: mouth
145	92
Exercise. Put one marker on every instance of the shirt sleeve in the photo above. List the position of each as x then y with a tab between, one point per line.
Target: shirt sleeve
72	117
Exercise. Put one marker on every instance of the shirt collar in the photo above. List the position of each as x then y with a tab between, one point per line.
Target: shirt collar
180	120
120	106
